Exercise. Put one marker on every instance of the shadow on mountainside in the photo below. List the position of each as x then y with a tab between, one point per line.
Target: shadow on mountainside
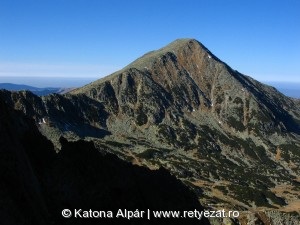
37	184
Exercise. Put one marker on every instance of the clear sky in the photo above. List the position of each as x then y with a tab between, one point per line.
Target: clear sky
93	38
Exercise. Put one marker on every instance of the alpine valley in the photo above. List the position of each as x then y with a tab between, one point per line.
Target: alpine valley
232	142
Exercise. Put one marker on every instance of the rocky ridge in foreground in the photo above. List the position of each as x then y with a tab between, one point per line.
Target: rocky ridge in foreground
37	183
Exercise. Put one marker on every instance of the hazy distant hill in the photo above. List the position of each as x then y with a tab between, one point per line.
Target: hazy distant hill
35	90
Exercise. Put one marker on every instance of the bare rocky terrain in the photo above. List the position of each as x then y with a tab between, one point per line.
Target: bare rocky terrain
231	139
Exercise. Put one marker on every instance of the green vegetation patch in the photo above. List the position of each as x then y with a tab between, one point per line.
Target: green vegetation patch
260	198
237	124
238	100
167	133
149	153
289	151
141	117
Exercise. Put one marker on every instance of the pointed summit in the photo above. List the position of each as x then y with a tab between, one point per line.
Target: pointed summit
184	47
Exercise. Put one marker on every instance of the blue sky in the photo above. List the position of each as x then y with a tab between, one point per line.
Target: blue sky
93	38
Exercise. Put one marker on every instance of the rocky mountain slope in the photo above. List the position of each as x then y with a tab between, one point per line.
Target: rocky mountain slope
230	138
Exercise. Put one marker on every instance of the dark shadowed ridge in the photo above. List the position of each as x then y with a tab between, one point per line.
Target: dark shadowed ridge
37	184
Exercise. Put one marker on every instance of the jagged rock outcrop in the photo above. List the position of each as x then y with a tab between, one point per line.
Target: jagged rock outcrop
182	108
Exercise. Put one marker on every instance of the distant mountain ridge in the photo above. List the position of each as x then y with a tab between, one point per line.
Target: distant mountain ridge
35	90
230	138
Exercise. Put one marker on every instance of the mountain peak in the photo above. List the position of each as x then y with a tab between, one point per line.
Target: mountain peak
181	43
179	46
184	51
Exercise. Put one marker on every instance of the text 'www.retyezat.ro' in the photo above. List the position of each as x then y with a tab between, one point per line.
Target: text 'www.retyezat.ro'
148	214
